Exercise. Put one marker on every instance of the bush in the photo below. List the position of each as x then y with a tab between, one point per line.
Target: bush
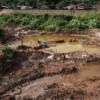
74	23
8	53
54	23
8	57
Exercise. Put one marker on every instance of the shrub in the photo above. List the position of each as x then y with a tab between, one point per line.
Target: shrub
74	23
8	53
8	56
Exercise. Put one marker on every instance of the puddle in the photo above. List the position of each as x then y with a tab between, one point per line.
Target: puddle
67	47
89	72
52	37
60	48
93	64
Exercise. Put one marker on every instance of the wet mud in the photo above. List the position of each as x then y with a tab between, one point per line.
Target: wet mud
56	75
39	78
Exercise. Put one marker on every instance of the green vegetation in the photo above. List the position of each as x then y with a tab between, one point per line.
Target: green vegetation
51	22
8	53
8	56
51	4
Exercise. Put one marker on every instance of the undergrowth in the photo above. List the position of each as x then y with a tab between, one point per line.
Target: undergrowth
52	21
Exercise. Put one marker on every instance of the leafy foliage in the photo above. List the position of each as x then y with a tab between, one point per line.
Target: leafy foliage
52	4
8	53
51	22
8	56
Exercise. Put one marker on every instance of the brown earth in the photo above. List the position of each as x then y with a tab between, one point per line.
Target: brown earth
34	77
38	78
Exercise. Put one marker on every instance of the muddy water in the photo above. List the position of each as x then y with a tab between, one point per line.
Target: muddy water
67	47
52	37
60	48
90	71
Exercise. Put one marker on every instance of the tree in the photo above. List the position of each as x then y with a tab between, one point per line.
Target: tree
49	3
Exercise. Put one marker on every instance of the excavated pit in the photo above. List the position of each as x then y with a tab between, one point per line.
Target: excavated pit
35	77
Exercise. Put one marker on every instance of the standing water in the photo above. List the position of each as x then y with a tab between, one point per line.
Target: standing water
67	47
59	48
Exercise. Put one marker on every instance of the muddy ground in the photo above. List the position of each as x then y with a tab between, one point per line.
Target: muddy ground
15	34
38	78
35	77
